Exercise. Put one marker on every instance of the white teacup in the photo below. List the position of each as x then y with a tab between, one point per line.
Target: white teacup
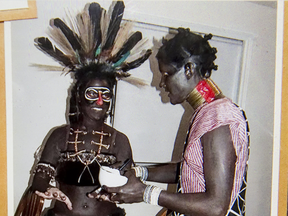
111	177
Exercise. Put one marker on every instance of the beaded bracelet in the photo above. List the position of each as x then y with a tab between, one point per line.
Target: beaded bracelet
151	194
141	172
45	168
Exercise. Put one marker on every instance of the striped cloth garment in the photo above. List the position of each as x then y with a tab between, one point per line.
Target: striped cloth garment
206	118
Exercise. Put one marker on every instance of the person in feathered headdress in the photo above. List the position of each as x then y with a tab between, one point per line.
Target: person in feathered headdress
98	49
212	170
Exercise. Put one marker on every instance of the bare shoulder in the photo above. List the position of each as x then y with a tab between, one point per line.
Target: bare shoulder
219	138
222	132
218	147
54	142
58	131
57	135
121	145
118	135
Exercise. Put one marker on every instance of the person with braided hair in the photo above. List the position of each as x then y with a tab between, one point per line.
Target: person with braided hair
212	172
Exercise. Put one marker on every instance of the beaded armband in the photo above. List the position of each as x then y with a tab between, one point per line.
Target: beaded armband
45	168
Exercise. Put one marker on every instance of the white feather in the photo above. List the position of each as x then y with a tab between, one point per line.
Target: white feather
123	34
138	82
138	50
62	42
43	67
85	29
105	19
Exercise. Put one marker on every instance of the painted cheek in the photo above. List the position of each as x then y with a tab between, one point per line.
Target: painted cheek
100	100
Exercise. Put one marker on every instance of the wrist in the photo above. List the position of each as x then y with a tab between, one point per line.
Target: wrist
45	169
151	194
141	172
43	175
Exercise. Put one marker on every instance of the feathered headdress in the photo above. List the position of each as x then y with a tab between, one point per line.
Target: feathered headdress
96	37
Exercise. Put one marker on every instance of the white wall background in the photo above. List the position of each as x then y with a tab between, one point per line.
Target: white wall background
39	98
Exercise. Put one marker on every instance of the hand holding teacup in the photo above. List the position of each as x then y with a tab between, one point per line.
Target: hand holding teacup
110	177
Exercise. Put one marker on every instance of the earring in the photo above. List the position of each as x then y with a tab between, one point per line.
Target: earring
189	69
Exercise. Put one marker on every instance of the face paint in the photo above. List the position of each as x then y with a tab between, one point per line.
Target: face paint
100	99
98	94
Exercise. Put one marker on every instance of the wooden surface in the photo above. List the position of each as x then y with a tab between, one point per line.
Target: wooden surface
282	207
3	152
17	14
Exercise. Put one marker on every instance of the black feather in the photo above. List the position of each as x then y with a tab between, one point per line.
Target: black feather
95	12
45	45
129	44
114	24
71	36
136	63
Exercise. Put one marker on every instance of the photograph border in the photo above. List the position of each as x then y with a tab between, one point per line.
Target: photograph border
283	165
31	12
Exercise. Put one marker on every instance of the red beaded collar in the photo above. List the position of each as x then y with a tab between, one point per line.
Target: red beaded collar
205	91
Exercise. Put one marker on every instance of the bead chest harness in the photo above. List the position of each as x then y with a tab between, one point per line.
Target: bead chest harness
87	157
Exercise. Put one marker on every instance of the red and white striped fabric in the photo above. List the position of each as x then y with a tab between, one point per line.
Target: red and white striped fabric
208	117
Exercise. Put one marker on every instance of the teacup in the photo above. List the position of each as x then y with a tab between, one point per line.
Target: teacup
111	177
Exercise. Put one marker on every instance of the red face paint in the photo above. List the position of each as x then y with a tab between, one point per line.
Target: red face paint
100	99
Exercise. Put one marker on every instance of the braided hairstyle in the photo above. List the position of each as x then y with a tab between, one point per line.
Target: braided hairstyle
185	44
82	77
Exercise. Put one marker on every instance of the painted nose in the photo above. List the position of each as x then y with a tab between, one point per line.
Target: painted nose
100	99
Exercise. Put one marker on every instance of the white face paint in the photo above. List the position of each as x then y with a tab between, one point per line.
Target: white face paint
96	99
96	93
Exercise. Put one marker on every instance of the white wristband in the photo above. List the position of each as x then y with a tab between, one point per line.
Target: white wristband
151	194
141	172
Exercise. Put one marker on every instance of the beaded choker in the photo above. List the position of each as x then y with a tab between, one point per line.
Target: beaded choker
205	91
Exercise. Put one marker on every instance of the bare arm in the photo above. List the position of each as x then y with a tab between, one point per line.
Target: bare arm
123	151
219	167
44	173
166	173
49	158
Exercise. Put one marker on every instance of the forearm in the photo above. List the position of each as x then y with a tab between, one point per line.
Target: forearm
218	169
201	203
213	203
196	204
166	173
43	174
